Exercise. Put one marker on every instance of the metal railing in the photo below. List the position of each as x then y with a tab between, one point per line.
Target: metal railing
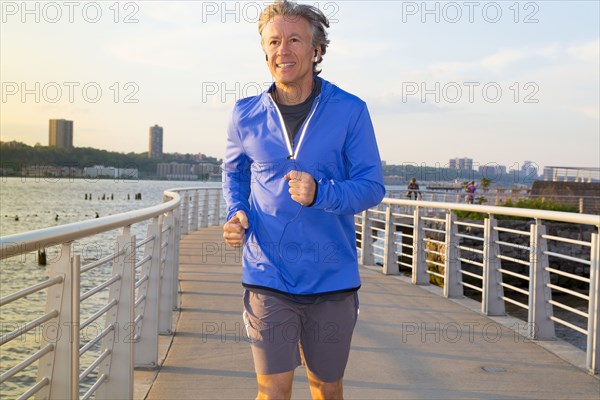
126	299
502	263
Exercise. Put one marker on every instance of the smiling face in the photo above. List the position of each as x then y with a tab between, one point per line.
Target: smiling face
290	53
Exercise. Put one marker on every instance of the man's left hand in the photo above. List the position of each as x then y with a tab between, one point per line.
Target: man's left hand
302	187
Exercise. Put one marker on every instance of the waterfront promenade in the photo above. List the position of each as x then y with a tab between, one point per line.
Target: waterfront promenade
409	343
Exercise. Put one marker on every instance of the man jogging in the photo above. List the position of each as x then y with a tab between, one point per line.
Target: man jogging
301	160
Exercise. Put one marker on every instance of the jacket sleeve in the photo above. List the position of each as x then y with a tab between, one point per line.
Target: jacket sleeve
235	172
363	187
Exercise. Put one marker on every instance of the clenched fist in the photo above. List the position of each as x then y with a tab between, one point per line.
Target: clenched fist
234	230
302	187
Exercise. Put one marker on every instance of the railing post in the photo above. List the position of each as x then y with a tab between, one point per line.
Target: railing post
452	271
56	365
118	366
146	346
204	221
185	213
74	334
419	275
175	273
593	338
195	214
366	248
492	302
165	314
539	326
390	259
216	208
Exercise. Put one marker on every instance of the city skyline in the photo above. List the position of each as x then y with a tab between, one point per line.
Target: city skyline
442	81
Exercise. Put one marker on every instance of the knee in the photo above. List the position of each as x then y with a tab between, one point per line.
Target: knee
327	390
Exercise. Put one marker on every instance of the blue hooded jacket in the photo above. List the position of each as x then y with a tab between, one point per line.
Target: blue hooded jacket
291	248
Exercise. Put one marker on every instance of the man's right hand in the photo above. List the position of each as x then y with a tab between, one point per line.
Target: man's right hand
234	230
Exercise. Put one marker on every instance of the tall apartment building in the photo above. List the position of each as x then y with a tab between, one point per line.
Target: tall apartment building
60	134
155	148
461	163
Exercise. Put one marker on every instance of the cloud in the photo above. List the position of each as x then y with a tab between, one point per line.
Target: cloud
589	51
502	59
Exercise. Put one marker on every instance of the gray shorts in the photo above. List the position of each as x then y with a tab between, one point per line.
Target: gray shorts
280	330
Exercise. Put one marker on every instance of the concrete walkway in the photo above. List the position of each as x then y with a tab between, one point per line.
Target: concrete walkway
409	343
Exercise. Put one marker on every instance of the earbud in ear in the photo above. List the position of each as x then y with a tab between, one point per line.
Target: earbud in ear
316	56
266	57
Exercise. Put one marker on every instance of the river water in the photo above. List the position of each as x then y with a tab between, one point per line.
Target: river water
28	204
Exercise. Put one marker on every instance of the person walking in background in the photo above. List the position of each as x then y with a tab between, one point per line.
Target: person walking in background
301	160
471	192
413	190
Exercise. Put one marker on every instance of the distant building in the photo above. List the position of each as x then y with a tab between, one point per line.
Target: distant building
155	149
60	134
461	163
100	171
176	171
492	171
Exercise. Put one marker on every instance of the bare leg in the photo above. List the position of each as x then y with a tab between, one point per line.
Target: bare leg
275	386
320	390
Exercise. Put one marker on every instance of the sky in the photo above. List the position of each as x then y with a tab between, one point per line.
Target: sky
500	82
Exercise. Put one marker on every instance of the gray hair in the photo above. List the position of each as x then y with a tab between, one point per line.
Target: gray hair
315	17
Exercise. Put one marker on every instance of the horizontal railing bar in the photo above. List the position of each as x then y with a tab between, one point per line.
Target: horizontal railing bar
373	228
434	219
404	264
565	290
571	309
26	363
143	242
95	340
376	246
31	241
567	240
138	319
516	246
143	261
29	326
404	225
428	240
435	274
433	230
400	215
437	253
515	260
565	257
139	300
568	275
141	281
103	286
516	289
98	313
570	325
472	225
101	261
94	387
472	275
515	274
518	232
439	264
560	216
471	249
462	235
480	264
516	303
30	290
35	388
93	365
472	287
